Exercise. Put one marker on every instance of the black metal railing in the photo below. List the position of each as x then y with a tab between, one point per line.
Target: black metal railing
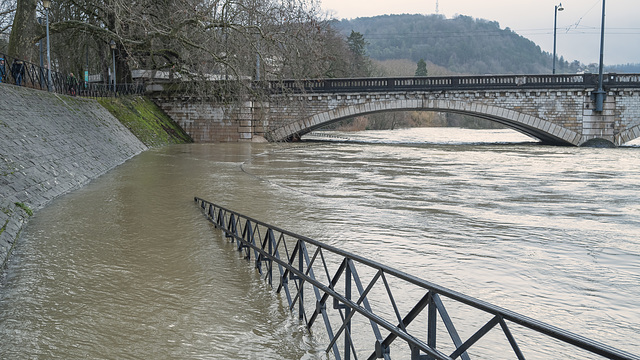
362	291
479	83
34	76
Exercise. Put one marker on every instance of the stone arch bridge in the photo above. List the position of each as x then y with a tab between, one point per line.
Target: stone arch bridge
556	109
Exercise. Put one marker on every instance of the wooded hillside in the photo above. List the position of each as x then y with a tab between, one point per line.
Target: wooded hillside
463	44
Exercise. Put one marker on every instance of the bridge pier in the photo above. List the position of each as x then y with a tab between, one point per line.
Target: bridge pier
207	121
599	127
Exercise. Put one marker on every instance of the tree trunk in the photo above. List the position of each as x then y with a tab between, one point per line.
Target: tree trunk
24	30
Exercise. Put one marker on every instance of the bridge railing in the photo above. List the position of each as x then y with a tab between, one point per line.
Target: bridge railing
357	300
487	82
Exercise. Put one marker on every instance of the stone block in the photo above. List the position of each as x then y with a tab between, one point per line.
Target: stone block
563	134
625	136
536	123
590	132
521	117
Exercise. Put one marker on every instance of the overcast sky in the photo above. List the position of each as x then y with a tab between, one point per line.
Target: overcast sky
578	32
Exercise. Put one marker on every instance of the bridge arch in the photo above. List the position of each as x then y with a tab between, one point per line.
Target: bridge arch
533	126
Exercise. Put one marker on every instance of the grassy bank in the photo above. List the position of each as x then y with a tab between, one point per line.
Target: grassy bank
145	120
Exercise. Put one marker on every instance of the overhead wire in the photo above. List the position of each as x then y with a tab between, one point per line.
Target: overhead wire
576	31
581	17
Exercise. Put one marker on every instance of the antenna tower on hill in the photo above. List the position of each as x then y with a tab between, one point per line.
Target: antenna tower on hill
437	8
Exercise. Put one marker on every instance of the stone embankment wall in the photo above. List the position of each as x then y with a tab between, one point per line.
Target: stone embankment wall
49	145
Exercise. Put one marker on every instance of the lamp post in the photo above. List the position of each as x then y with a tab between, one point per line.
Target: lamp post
600	93
47	4
40	19
112	44
555	24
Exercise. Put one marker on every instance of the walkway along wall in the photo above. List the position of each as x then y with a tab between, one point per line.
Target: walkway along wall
49	145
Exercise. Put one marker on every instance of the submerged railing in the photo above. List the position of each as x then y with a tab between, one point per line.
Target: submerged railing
362	294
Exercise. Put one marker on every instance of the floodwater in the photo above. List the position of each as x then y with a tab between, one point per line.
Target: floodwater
128	268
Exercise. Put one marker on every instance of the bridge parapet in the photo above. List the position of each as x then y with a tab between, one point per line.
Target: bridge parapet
487	82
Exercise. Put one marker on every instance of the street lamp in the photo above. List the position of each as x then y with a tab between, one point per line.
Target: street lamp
555	22
41	49
600	93
47	4
112	44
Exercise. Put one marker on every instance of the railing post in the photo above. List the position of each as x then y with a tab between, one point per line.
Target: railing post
246	236
301	282
234	230
431	322
270	240
347	312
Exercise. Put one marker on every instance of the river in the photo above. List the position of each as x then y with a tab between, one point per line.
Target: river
128	268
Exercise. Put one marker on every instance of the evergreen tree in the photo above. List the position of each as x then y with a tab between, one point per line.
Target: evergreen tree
360	62
357	43
422	68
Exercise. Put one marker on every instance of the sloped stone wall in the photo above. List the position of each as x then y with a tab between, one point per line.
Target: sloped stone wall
49	145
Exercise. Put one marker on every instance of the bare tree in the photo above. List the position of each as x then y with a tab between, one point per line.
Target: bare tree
190	39
7	10
23	28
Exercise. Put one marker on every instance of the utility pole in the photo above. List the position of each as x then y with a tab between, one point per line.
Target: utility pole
555	26
437	8
600	93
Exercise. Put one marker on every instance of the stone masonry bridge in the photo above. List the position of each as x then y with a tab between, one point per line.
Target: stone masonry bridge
556	109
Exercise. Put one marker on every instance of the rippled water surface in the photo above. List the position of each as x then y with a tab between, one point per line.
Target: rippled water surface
128	268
